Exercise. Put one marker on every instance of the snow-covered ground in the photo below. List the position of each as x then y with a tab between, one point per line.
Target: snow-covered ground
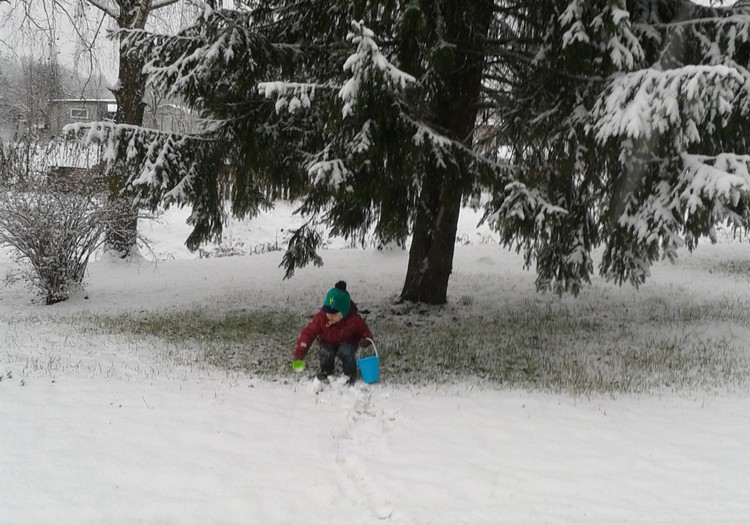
98	429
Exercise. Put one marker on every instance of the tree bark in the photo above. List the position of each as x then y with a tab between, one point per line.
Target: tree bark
129	93
432	246
454	110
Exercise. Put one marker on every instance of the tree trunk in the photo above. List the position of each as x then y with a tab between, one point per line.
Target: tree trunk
129	93
454	110
432	246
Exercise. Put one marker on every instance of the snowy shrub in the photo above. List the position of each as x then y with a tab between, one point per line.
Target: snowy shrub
54	228
237	249
223	250
20	161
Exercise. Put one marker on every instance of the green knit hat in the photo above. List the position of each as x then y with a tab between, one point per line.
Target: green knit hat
337	300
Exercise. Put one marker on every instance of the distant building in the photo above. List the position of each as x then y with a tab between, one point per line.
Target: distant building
64	111
167	117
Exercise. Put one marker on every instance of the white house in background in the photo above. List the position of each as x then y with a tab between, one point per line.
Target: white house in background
165	117
64	111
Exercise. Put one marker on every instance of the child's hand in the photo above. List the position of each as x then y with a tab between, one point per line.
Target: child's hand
300	351
364	342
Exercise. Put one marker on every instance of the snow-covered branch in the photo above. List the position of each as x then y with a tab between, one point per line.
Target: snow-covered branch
609	30
109	10
709	190
291	95
331	172
721	180
223	50
365	61
158	166
682	101
524	203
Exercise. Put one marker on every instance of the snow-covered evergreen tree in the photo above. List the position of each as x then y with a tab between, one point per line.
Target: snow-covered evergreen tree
630	130
398	154
626	123
300	101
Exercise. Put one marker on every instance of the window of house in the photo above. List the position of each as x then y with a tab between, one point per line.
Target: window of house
79	113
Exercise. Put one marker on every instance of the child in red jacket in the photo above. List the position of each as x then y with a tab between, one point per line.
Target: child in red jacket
339	330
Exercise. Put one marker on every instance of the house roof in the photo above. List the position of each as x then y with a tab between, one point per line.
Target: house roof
98	100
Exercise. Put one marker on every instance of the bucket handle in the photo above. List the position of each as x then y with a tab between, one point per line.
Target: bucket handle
373	345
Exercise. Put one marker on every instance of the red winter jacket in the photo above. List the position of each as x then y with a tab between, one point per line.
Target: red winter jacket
351	329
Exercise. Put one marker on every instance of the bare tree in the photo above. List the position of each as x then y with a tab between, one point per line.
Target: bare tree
27	86
130	88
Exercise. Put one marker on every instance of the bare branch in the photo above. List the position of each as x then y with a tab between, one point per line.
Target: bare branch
163	3
114	12
716	20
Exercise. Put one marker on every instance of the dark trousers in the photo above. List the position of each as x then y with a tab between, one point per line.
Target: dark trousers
346	353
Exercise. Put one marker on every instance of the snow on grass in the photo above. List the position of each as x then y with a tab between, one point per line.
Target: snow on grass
103	424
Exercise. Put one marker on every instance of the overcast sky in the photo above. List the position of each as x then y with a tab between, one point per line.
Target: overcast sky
58	22
41	32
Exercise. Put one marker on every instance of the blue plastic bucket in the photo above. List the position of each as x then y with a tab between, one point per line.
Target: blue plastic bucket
369	367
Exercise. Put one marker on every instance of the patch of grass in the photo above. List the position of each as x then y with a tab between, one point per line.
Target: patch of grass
537	345
733	267
724	310
563	349
256	342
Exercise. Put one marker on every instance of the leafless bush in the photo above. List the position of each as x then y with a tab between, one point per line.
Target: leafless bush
54	227
16	161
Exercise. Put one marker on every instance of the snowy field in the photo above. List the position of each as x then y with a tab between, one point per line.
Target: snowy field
99	429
